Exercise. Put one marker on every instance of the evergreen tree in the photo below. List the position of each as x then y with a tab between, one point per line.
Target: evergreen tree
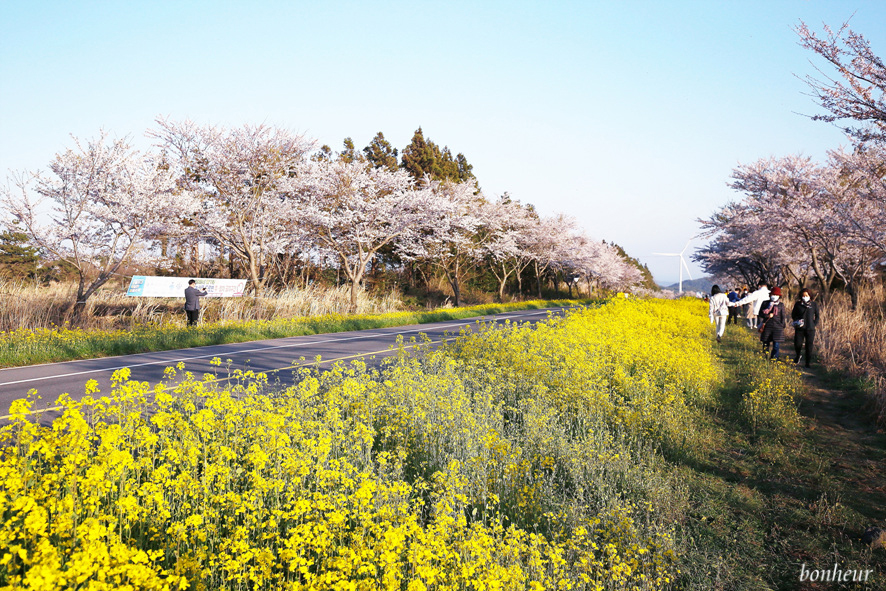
420	157
423	157
380	153
323	155
349	153
18	259
464	169
448	168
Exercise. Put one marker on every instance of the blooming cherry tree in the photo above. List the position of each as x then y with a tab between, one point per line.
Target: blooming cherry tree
508	222
454	233
353	210
797	217
95	209
861	95
237	179
548	242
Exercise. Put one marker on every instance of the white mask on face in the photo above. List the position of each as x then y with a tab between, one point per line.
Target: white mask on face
805	298
774	298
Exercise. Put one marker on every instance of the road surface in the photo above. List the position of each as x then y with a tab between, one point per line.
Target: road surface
277	357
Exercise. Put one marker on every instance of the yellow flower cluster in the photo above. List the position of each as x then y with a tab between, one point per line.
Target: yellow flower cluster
513	458
769	392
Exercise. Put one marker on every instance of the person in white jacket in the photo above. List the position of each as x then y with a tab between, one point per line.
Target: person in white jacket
755	298
719	310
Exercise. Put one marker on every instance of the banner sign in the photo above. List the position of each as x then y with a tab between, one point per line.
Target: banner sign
174	287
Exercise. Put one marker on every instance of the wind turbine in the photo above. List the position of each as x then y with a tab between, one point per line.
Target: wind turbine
681	265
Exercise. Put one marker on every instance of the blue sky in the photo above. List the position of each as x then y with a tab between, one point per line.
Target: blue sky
628	115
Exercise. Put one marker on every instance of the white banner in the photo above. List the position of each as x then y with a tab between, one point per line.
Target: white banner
174	287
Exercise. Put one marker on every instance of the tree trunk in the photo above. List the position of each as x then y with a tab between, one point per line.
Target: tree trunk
502	282
353	308
452	277
255	276
853	294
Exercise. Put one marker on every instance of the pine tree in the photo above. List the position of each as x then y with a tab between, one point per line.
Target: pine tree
419	157
17	258
380	153
464	169
323	155
423	157
349	153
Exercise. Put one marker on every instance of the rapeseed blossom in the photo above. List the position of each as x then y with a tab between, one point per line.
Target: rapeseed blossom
511	458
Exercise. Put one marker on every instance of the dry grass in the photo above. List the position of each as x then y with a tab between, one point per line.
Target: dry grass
24	305
854	341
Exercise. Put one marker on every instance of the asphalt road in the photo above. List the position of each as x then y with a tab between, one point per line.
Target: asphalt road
277	357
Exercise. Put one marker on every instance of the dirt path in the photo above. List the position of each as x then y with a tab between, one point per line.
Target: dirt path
840	423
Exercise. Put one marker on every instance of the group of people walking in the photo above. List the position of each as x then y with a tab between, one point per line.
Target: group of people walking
765	312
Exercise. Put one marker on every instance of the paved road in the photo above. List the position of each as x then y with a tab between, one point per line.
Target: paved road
275	356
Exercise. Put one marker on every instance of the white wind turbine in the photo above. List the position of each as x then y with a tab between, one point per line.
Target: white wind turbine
682	264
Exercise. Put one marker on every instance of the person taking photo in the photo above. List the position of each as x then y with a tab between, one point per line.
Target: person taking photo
192	302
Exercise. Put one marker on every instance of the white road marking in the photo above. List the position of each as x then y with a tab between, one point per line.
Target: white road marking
258	349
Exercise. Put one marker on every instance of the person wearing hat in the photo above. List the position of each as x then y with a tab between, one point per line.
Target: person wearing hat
772	330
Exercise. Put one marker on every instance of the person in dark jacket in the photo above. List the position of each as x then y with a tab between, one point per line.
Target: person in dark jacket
773	325
733	310
805	319
192	302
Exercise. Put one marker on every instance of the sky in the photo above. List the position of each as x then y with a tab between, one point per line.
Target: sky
628	115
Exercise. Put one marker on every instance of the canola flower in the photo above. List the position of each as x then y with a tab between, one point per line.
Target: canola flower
511	458
769	389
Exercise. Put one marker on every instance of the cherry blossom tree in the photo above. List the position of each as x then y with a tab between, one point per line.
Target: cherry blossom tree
547	241
797	217
862	174
237	177
454	234
787	204
507	224
859	96
740	251
353	210
95	209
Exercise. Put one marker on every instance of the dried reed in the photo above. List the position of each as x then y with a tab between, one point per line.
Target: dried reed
854	341
27	305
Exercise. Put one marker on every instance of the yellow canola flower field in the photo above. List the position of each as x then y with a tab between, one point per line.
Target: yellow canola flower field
511	458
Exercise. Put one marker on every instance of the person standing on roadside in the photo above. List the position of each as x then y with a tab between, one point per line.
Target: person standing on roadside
718	310
773	323
805	319
733	310
192	302
755	299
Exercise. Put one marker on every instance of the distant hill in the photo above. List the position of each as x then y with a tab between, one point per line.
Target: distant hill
703	284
